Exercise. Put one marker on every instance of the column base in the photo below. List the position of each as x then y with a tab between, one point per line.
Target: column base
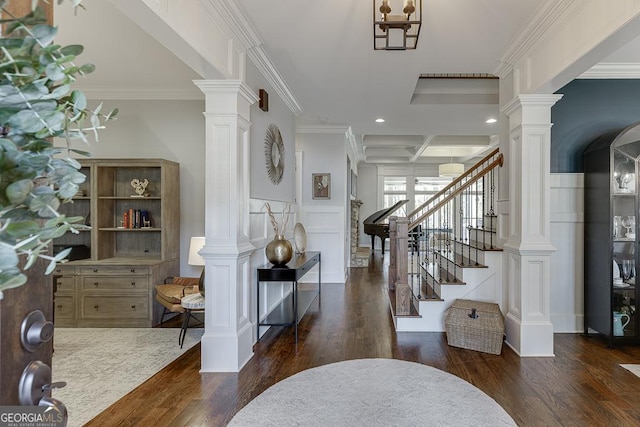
529	339
226	352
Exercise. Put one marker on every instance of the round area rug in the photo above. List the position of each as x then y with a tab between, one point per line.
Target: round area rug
372	392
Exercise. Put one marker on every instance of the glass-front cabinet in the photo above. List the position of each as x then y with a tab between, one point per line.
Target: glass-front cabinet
611	235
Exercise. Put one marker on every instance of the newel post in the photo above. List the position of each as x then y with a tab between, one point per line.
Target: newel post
403	291
393	278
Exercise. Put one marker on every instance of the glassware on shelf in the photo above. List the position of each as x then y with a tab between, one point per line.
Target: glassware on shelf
629	222
616	226
624	174
628	269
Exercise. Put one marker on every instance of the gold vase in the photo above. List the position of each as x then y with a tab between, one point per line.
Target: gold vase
279	251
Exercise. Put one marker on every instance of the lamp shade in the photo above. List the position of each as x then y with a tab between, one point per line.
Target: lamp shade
450	170
194	247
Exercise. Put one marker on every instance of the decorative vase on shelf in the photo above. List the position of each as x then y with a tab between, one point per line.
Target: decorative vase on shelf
279	251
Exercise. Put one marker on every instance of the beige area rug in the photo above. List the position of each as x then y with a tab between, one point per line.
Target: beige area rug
101	365
632	368
372	392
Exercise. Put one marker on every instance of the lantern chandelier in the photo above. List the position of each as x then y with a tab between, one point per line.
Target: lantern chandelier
399	31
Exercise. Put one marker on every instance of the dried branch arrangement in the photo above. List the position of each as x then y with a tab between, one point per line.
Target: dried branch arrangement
284	219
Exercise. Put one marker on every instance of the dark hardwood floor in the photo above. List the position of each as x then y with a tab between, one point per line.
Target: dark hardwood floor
582	386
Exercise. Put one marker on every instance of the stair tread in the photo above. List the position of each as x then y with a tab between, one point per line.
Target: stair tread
485	249
460	260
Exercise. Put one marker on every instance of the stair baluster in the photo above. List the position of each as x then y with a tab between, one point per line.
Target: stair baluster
447	220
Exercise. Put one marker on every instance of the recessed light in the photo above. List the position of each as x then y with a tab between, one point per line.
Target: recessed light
491	120
379	120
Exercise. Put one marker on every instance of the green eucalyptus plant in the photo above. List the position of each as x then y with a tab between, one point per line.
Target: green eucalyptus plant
36	105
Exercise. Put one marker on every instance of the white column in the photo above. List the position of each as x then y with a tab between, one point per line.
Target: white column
528	249
227	341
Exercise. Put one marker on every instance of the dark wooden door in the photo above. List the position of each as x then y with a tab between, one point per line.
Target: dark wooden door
17	303
36	294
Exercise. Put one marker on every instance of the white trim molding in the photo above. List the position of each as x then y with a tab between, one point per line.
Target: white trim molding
613	70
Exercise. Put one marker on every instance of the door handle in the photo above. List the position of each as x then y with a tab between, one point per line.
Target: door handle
35	383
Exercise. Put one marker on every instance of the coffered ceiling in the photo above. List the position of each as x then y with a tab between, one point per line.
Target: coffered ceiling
324	52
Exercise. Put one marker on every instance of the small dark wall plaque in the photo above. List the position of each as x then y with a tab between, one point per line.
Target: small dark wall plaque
264	100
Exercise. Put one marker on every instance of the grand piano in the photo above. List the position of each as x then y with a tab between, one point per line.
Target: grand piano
376	224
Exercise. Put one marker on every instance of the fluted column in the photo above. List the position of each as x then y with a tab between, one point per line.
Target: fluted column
227	340
528	249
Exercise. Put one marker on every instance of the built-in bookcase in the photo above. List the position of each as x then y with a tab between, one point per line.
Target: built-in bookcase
115	265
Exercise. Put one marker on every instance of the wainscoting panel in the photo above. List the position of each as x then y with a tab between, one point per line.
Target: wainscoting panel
567	263
325	228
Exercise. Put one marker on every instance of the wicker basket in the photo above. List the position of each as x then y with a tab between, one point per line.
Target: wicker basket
483	333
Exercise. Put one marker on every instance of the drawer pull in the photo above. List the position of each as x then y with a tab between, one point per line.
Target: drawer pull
96	283
60	306
133	270
96	306
95	270
133	283
133	307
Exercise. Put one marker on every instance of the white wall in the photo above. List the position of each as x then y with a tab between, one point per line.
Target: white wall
172	130
368	195
324	220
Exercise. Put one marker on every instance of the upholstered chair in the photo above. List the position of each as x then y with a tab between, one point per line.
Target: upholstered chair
171	292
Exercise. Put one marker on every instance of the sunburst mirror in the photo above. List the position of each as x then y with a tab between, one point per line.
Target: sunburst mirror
274	154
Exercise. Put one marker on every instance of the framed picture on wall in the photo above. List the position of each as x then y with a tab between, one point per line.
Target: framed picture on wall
321	185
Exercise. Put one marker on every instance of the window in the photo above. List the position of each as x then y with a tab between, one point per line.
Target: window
395	190
426	187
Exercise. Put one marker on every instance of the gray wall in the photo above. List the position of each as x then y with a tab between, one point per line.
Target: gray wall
588	109
280	115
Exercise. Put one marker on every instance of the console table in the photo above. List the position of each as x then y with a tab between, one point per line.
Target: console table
292	308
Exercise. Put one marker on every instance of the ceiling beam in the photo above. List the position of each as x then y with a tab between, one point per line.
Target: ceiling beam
420	149
392	140
389	152
494	140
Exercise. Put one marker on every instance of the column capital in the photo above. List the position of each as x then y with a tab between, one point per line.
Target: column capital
530	109
215	87
227	96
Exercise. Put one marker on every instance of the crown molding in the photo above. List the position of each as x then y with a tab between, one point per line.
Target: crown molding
146	94
234	19
323	129
612	70
545	17
227	13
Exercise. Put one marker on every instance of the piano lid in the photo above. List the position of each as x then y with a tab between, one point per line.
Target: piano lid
383	214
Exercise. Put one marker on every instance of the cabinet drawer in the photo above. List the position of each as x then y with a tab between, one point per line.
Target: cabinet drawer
62	269
115	283
64	284
115	306
128	270
64	307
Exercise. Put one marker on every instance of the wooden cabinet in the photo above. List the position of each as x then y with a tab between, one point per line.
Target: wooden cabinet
65	296
114	266
611	236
